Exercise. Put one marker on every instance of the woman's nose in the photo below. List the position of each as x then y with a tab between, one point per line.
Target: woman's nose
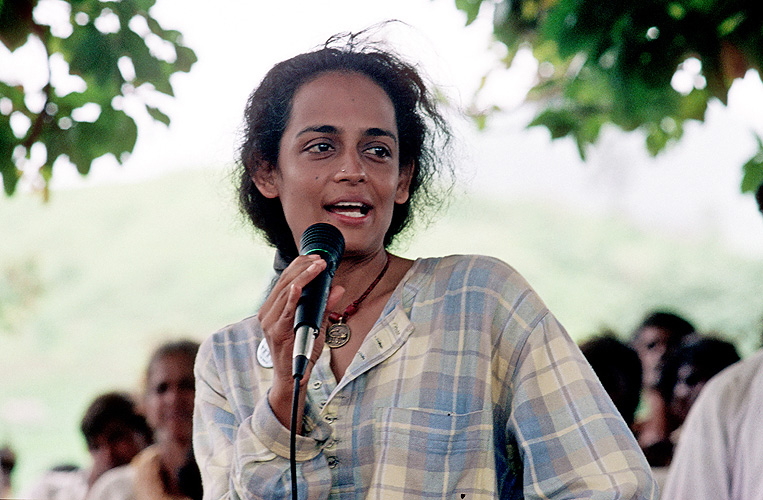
351	169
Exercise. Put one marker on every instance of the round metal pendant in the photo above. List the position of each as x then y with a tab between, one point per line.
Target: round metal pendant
337	335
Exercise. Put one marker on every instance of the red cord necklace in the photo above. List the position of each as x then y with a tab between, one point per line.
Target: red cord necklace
338	333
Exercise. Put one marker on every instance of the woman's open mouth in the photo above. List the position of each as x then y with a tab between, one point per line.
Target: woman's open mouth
349	209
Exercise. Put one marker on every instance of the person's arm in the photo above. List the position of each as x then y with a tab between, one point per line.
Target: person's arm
249	459
573	442
700	469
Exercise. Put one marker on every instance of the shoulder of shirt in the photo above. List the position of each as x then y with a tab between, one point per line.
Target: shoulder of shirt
245	331
451	263
469	270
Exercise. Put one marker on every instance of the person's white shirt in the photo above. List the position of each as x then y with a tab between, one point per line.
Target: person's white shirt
60	485
720	451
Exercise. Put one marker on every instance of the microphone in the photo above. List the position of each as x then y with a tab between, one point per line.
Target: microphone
327	241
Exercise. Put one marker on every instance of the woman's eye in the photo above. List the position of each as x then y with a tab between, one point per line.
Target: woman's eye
321	147
379	151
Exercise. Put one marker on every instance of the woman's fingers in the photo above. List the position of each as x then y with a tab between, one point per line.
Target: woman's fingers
277	313
297	275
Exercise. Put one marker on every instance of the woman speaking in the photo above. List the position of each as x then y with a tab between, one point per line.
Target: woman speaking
440	377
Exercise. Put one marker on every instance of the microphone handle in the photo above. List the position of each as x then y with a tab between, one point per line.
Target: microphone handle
309	316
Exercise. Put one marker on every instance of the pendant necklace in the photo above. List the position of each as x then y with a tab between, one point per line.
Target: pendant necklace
338	333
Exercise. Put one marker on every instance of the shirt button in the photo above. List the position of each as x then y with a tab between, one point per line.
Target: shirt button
329	418
322	403
317	384
333	462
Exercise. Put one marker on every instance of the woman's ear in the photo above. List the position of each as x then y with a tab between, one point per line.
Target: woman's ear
404	183
264	178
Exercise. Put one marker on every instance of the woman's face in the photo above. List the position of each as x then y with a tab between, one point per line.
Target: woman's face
339	161
169	397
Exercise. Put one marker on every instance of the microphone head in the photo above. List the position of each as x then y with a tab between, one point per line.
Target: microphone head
325	240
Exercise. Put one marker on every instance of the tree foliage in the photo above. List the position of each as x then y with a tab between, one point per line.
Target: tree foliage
604	61
117	49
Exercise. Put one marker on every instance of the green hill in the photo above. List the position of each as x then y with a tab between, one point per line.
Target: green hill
91	282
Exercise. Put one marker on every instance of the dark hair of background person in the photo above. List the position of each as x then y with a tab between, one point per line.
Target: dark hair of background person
422	130
112	407
185	347
619	370
7	459
7	463
678	326
708	355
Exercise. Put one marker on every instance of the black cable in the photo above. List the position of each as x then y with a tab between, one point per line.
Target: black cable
293	443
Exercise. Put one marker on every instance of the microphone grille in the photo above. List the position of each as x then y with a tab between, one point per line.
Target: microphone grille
325	239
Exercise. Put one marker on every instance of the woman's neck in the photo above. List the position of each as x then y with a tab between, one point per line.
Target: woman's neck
354	274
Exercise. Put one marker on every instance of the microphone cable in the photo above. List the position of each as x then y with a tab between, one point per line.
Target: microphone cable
293	437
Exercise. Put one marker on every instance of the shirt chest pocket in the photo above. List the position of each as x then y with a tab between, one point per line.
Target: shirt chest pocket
426	452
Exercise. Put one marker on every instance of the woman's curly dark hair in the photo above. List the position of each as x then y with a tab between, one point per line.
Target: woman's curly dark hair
421	129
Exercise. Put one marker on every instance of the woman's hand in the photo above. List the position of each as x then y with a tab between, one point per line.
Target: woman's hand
277	320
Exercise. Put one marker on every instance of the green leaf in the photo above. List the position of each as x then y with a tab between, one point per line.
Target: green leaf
470	7
15	94
94	55
560	122
8	143
185	58
752	171
656	140
157	115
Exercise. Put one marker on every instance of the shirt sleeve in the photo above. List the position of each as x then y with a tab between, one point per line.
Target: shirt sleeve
114	484
572	440
249	458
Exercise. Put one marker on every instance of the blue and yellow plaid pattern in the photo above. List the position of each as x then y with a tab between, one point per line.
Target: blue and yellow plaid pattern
466	388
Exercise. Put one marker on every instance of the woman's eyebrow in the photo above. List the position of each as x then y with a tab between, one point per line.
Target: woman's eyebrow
321	129
330	129
380	132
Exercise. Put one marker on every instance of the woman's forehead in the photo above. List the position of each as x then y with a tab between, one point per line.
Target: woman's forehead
342	100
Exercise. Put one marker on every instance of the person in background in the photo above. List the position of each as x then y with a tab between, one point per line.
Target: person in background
658	335
441	377
686	372
7	463
115	432
719	455
619	370
164	470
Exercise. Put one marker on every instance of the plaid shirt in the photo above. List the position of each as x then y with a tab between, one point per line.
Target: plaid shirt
466	388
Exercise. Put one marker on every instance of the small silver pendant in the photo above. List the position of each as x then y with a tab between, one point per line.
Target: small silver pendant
337	335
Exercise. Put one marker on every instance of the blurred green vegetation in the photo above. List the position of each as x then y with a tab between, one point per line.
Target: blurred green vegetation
92	281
